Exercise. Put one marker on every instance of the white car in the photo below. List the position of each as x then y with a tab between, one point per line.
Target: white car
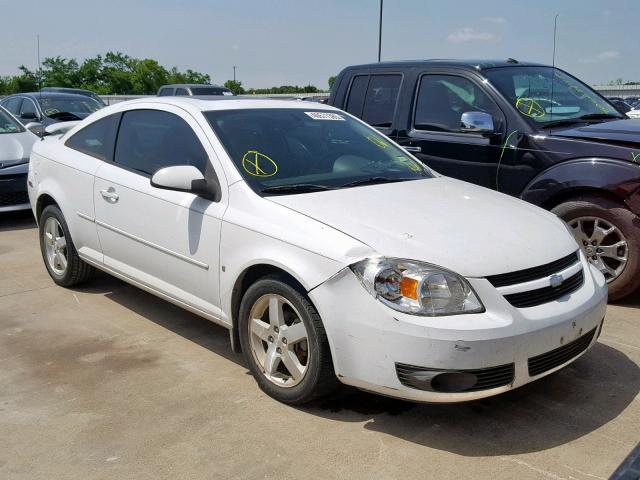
329	252
15	147
634	113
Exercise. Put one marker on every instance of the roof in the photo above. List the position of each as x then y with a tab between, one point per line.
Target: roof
66	90
469	64
204	103
50	94
189	85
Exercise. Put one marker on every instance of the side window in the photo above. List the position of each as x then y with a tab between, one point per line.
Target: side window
27	107
355	100
442	99
149	140
182	92
381	99
166	92
96	139
13	105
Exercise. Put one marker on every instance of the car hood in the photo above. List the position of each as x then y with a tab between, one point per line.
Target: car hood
616	131
15	147
469	229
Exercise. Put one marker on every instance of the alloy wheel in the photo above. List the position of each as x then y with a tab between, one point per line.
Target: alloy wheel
603	244
279	340
55	246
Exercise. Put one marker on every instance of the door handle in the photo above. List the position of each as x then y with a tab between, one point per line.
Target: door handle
110	195
413	149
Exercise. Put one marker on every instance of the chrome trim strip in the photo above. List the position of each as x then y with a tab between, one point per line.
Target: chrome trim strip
86	217
540	282
153	245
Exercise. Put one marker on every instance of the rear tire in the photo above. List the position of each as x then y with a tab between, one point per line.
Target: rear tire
295	370
59	253
592	216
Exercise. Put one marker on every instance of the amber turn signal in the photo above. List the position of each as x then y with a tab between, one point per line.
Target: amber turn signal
409	288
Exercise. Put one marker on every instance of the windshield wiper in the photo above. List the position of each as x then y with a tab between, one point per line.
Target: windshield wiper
582	119
372	181
599	116
64	116
296	188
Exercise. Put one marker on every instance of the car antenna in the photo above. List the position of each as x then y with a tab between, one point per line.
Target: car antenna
39	68
553	62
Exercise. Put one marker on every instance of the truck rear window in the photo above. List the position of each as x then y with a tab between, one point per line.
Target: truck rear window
373	98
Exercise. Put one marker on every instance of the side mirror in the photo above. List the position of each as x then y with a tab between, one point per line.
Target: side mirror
36	128
183	178
29	116
476	122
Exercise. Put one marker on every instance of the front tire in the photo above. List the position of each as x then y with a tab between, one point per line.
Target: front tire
609	236
284	342
59	253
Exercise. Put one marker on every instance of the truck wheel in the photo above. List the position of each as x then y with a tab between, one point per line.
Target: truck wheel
609	236
284	342
60	257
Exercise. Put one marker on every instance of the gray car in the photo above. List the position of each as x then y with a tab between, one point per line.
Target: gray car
49	107
15	147
192	90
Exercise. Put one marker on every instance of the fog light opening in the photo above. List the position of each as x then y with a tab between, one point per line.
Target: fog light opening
452	382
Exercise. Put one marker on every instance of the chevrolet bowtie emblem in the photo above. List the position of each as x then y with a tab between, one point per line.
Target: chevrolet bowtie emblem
556	280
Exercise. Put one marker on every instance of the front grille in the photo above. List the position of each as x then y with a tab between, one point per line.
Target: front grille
534	273
545	294
9	199
554	358
488	378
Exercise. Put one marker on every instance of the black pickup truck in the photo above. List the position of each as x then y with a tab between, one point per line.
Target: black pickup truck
524	129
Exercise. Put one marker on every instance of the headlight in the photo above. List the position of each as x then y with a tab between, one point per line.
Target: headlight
417	288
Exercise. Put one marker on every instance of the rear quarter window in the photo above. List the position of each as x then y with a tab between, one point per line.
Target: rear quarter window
96	139
380	101
357	92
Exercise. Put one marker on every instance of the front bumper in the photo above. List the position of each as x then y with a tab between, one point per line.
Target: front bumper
13	188
369	340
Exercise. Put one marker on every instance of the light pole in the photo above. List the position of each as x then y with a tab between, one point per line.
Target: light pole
380	32
234	73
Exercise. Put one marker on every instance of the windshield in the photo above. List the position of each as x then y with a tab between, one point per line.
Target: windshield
80	104
539	100
8	124
276	148
210	91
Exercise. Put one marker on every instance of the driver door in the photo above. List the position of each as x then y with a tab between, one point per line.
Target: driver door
435	135
165	240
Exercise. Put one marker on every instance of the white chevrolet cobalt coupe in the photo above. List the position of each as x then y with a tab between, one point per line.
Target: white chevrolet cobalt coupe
329	252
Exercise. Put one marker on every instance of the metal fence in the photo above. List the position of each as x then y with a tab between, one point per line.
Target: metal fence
618	90
111	99
606	90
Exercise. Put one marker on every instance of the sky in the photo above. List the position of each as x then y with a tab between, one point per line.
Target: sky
276	42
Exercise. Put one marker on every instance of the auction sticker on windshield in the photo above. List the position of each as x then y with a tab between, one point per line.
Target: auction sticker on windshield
325	116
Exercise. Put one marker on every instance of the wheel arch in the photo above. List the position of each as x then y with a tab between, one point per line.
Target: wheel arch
610	178
244	280
43	201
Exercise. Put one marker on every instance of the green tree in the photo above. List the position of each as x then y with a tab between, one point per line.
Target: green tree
114	73
235	86
27	81
331	81
117	73
90	75
148	76
59	72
